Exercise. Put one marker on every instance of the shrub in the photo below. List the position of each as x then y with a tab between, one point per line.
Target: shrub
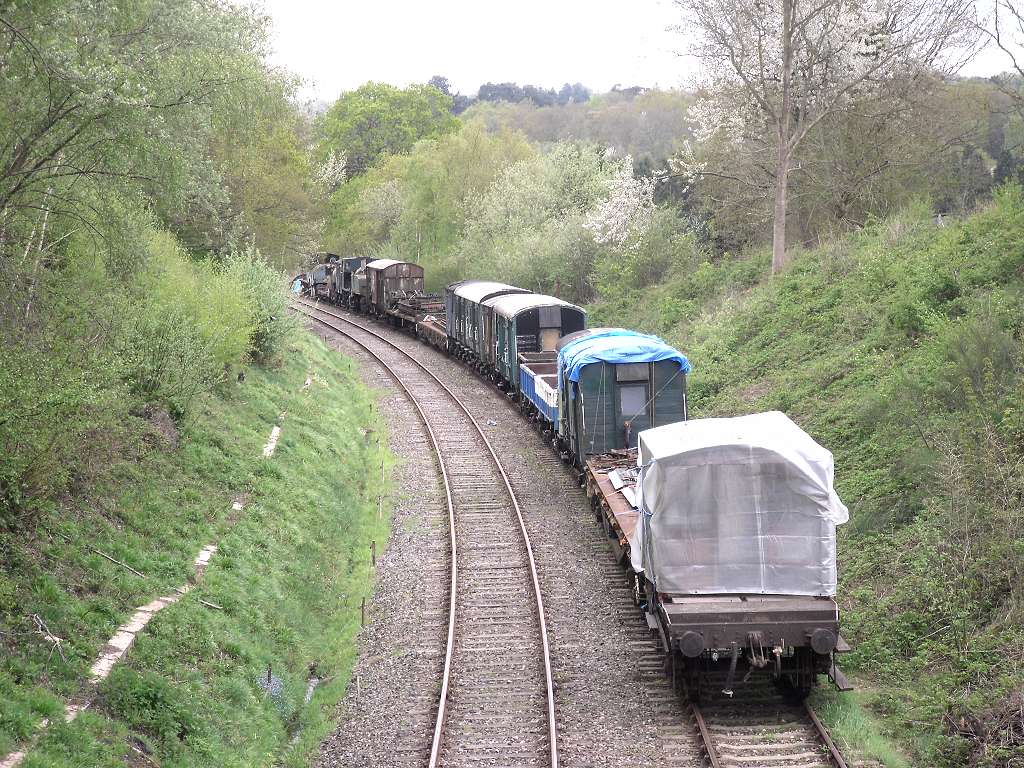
186	325
264	293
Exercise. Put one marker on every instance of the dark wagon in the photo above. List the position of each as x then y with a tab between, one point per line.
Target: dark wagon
529	322
614	383
388	280
343	278
319	281
471	322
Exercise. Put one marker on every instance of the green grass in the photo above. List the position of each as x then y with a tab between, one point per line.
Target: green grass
899	348
290	572
853	727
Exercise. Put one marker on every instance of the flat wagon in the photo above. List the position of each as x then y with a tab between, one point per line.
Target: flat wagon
727	528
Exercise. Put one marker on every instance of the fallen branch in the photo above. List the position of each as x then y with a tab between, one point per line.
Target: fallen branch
115	560
51	638
211	605
101	554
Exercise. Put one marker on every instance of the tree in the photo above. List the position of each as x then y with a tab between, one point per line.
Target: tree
774	69
116	93
1004	28
441	83
500	92
576	92
378	119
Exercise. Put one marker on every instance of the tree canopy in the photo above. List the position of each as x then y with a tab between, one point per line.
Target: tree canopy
378	119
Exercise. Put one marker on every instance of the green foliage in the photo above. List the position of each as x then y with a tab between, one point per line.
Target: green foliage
260	287
289	574
419	202
188	324
649	126
529	227
127	98
128	129
378	119
152	704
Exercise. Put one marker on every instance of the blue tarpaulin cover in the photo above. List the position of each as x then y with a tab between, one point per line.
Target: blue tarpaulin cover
615	345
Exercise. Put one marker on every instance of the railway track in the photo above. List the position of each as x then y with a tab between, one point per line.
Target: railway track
760	727
496	702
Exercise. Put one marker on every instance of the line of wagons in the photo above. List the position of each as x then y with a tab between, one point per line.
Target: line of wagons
727	527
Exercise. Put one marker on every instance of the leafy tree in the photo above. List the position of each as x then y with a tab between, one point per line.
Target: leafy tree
441	83
774	70
577	93
649	127
540	96
500	92
530	228
267	171
460	103
378	119
98	92
418	202
129	127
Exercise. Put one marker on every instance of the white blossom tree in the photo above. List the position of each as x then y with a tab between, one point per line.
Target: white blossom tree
625	215
772	70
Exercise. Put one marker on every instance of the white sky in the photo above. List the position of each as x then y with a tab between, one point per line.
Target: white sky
337	46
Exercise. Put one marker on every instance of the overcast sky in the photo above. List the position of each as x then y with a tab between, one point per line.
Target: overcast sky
338	46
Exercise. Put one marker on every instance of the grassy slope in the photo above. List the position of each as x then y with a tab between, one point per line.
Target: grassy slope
289	574
866	343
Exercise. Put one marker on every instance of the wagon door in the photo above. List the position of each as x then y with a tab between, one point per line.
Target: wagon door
549	321
633	400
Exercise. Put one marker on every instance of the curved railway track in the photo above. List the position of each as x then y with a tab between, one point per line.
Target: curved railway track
496	703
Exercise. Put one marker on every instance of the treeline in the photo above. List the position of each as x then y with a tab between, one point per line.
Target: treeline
523	200
513	94
154	178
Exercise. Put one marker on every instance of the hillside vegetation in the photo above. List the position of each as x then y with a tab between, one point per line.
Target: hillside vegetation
899	347
282	593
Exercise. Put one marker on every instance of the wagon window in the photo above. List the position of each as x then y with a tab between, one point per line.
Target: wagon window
632	400
632	372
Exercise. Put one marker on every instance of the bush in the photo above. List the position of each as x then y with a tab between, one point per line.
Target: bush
264	293
186	326
148	701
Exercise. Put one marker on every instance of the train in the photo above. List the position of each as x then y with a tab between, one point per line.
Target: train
726	528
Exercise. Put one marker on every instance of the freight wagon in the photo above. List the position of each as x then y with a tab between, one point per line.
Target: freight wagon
601	388
728	530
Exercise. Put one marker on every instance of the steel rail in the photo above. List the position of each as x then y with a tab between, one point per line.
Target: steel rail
833	751
705	735
834	755
439	726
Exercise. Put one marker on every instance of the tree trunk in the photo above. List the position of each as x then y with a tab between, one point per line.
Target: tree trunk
785	150
779	259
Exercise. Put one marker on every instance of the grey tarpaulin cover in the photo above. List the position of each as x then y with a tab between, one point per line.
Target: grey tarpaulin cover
740	505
